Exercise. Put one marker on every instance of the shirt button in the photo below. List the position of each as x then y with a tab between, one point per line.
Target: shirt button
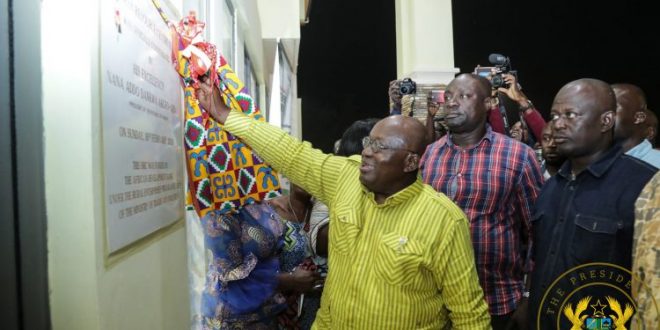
561	219
552	252
458	175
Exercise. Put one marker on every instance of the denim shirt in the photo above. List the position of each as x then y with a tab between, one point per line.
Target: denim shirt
586	219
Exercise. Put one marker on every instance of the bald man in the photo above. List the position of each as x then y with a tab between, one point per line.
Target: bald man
585	213
631	127
495	180
399	252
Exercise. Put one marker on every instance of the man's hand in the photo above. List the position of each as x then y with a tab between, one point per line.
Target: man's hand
432	107
210	100
520	318
513	91
304	280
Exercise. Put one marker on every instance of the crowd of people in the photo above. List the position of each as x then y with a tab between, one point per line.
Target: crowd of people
402	229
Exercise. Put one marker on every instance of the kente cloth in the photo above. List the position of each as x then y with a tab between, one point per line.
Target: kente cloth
223	172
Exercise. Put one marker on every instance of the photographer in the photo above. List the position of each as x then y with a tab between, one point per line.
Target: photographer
397	89
395	97
531	119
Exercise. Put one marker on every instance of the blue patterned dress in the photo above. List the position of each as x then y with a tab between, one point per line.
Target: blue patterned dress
319	217
294	252
242	252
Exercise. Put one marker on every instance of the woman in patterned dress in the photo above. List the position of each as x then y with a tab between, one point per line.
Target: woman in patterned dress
298	275
257	268
243	262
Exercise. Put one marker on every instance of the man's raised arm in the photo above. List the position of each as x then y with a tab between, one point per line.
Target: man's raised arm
313	170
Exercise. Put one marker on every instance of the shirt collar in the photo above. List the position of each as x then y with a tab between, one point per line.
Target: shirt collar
400	196
640	150
490	136
597	168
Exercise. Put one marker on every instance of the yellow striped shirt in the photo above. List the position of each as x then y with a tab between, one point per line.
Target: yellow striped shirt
404	264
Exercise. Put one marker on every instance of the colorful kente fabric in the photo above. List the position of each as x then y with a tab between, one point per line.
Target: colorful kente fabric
223	173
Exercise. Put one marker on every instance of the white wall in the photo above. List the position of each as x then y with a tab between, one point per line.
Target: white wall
280	19
274	106
424	40
249	28
146	288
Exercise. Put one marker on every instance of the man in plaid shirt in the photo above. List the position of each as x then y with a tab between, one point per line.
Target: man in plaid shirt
495	180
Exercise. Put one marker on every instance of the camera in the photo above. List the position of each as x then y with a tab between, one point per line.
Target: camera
502	65
408	86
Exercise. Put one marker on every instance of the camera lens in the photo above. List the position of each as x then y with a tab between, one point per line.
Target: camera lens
497	81
407	86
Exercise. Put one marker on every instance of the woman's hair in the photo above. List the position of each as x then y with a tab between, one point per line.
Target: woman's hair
351	140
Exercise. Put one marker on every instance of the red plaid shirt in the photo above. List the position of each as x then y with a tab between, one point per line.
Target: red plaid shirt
495	183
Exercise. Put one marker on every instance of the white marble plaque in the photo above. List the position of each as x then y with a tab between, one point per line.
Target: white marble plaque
141	102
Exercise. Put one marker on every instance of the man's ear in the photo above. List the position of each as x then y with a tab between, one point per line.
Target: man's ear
606	121
640	117
411	163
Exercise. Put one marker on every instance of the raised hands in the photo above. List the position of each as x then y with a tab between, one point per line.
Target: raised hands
513	91
210	99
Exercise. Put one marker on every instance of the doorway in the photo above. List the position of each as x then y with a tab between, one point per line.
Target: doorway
23	256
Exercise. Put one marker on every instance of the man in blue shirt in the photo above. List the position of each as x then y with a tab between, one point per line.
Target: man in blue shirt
585	213
630	127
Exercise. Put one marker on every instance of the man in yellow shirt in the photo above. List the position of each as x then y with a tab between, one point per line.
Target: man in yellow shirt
400	252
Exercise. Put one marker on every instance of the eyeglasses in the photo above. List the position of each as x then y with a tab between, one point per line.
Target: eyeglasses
377	147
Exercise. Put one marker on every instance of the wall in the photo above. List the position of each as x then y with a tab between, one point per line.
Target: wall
280	19
280	24
146	288
424	40
249	26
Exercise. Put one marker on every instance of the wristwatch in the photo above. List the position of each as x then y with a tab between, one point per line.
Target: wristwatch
527	106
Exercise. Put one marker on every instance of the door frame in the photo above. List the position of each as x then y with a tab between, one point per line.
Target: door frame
23	245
